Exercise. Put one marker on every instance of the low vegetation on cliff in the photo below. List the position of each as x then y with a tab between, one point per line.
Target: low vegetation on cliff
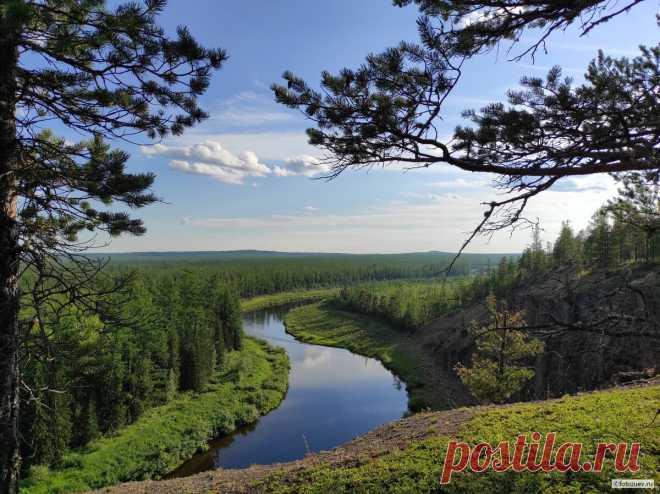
611	417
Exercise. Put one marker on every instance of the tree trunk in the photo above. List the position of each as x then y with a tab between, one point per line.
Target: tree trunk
9	271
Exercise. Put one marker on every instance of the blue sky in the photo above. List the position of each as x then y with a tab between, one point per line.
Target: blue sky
244	178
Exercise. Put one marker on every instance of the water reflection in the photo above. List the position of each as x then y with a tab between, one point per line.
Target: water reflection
333	396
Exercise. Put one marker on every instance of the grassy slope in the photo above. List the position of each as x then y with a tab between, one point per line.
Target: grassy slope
253	382
612	416
283	298
322	325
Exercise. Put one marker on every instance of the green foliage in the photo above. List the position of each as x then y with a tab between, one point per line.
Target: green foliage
388	110
405	305
612	416
171	330
637	210
412	304
48	415
566	248
229	322
103	72
263	273
93	61
490	384
626	230
478	26
496	372
284	298
171	334
253	382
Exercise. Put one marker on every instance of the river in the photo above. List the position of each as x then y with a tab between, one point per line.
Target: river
334	395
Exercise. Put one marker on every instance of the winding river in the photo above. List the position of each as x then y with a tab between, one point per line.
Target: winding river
334	395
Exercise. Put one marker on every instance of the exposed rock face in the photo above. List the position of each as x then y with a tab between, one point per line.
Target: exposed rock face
603	304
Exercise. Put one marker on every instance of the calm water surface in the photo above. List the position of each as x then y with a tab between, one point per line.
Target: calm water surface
334	396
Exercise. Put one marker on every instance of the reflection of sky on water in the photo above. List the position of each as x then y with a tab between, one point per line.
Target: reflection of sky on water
317	366
333	397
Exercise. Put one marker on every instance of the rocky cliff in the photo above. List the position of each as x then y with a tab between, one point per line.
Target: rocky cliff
599	328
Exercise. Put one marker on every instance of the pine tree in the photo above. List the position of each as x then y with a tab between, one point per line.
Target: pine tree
105	73
88	424
198	358
389	110
533	261
638	206
173	369
496	372
234	320
49	417
565	249
599	244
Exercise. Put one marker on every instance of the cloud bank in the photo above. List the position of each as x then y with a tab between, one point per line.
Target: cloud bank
427	221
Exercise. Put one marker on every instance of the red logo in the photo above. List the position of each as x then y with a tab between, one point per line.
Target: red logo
535	456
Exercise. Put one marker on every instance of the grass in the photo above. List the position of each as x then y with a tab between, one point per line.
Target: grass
283	298
621	415
252	383
321	324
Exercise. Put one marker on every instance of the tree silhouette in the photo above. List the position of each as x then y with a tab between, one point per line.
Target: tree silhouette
388	111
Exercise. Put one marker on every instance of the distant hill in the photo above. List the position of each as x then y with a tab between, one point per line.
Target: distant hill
232	255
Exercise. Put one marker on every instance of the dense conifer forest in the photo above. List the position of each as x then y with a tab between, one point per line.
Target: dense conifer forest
170	332
254	273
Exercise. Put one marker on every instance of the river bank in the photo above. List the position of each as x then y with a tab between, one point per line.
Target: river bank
284	298
407	455
334	395
252	382
428	385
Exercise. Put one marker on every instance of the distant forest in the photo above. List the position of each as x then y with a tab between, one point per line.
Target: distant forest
253	273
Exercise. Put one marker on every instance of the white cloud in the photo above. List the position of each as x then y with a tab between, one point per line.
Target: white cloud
227	176
213	160
430	196
282	172
306	165
594	182
436	221
459	183
310	209
269	146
